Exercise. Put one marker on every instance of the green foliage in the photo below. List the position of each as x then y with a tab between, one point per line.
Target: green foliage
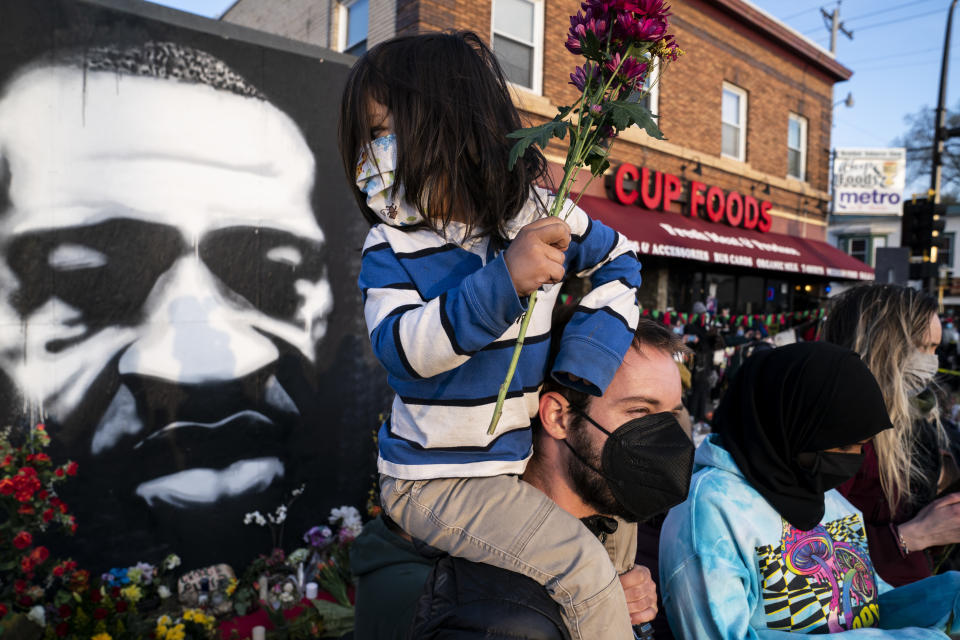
624	114
540	134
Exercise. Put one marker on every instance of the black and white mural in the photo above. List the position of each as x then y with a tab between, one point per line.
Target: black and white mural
178	262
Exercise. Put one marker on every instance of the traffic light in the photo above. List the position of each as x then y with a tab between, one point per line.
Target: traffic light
922	228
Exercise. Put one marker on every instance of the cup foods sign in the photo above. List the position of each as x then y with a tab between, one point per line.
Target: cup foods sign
869	181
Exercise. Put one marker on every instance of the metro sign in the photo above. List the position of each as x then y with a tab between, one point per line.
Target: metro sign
707	202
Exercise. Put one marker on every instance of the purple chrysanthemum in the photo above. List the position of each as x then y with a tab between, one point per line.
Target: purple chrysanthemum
582	76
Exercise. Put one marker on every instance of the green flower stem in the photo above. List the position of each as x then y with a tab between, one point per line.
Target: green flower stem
587	132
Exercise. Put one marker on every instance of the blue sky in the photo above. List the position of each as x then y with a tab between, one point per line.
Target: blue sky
895	57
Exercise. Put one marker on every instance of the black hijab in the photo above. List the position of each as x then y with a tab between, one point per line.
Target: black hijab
803	397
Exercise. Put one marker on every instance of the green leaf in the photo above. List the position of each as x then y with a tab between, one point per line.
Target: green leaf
540	134
598	164
337	619
624	114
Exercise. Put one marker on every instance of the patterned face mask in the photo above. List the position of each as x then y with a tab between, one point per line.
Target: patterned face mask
376	177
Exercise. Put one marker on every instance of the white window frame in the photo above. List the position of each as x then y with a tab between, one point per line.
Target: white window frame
537	44
732	88
653	74
343	18
803	146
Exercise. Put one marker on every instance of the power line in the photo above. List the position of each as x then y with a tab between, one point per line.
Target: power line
889	9
812	7
892	55
905	64
883	24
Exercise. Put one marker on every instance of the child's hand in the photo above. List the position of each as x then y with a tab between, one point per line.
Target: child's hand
535	256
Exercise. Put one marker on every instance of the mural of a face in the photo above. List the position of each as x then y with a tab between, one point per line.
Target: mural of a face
163	282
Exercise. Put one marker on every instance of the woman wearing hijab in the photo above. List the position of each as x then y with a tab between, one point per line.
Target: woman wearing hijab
896	331
764	545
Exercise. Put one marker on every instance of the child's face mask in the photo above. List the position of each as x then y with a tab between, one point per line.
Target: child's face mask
376	171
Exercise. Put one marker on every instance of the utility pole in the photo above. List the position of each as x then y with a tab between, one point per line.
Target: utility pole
833	23
940	134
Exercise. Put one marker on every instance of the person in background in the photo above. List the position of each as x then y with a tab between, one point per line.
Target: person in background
764	546
896	331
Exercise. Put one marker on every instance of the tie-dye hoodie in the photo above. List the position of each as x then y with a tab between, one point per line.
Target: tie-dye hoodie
732	568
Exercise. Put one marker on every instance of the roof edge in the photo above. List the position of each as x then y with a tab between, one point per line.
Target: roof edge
790	39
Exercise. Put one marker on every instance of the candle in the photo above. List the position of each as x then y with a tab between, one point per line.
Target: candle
311	591
264	588
259	633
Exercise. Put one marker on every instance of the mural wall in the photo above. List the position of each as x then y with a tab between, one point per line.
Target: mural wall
178	262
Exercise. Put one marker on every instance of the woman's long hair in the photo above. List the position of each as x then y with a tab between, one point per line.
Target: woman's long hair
885	324
452	112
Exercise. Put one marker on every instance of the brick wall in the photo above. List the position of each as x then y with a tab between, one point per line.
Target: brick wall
304	20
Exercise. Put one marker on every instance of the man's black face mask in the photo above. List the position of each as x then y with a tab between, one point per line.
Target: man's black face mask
646	463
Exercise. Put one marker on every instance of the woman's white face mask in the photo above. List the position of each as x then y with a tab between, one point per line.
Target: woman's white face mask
376	177
920	370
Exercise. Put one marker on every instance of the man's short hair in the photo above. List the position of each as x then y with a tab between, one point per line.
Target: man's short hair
649	334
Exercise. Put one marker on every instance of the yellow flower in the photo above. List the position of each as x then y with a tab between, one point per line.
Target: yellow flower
102	636
133	593
164	620
177	633
231	586
160	632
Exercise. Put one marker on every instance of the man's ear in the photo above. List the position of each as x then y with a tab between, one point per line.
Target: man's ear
554	414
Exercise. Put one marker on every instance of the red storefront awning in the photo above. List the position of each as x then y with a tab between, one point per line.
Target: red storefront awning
672	235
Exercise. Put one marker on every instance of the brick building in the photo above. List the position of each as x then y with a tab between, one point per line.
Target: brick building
747	116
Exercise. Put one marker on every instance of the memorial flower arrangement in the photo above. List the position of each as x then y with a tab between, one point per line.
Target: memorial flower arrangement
45	598
621	42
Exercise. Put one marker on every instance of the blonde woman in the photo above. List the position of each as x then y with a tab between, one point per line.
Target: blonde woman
896	332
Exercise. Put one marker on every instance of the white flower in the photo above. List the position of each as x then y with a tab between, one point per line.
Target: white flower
163	591
172	561
296	492
349	517
298	556
38	615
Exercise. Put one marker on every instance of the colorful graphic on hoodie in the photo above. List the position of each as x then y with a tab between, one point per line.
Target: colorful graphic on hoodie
819	581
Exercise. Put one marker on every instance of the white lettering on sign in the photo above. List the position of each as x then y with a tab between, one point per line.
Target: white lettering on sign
733	241
680	252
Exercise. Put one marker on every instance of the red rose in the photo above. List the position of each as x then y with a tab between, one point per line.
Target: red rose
48	515
43	495
22	540
95	596
25	509
58	571
63	629
19	586
115	592
39	555
25	601
121	606
65	611
72	468
58	473
6	486
100	613
73	525
26	564
41	457
69	565
3	610
7	461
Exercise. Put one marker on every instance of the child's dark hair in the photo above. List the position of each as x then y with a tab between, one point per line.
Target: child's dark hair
451	114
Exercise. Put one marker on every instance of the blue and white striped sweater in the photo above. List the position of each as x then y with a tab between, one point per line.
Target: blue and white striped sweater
443	319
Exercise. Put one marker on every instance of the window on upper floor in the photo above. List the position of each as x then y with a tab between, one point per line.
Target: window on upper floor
652	82
518	41
354	24
734	118
863	248
797	147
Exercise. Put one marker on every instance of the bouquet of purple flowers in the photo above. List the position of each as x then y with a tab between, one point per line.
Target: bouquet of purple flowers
622	41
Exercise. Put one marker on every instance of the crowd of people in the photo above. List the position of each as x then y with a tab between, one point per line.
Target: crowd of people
820	502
